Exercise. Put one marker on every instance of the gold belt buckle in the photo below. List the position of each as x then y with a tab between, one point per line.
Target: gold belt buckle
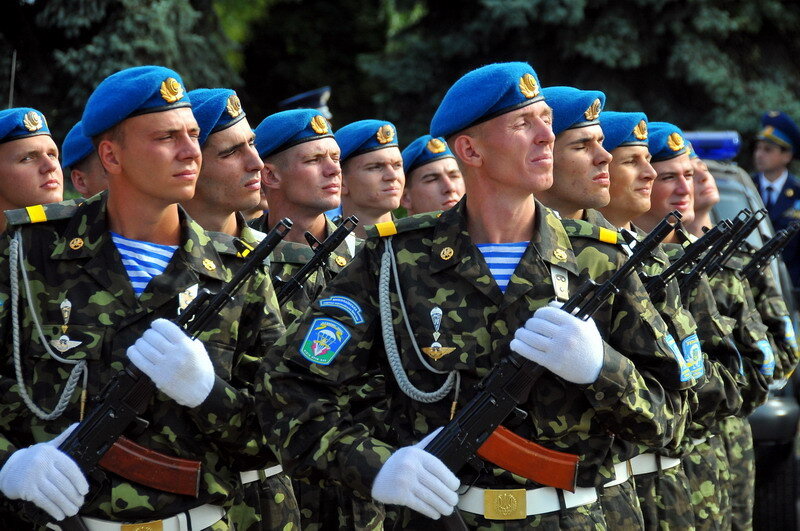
504	504
155	525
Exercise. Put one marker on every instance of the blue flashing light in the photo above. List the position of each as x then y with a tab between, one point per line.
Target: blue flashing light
715	145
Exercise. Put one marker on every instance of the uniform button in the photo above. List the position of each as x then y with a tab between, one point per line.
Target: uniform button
600	395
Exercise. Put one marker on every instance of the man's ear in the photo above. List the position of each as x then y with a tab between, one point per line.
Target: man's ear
79	182
270	177
467	149
405	200
108	152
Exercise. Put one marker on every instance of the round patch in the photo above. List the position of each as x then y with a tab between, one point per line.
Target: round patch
447	253
76	243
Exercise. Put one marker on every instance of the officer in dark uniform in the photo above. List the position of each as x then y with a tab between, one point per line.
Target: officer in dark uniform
778	143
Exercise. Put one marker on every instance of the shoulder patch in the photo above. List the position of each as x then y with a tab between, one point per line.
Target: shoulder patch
390	228
577	228
324	340
40	213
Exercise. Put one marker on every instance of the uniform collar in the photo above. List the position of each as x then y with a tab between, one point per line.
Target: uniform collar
300	253
777	185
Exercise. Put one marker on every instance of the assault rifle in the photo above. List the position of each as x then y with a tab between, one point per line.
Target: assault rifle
322	250
97	441
769	250
748	226
476	427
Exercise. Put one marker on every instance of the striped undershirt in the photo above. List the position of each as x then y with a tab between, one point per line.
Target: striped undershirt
502	259
142	260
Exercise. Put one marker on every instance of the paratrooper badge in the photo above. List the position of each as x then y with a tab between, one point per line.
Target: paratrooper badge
436	350
64	343
324	341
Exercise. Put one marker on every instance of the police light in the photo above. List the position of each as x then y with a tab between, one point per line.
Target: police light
715	145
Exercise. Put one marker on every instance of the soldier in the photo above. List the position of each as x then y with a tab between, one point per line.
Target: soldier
372	172
29	170
79	156
423	280
777	144
303	179
230	181
433	180
94	276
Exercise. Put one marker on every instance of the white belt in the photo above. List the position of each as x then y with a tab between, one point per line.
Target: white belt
648	463
537	501
250	476
200	517
622	473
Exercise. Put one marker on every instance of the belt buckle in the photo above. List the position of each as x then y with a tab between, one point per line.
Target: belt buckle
155	525
504	504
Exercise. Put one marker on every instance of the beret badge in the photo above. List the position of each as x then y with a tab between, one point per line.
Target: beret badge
171	90
320	125
32	121
593	111
528	86
640	131
233	106
435	145
385	134
675	142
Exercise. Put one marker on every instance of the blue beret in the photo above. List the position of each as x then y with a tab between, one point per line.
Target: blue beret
364	136
690	149
483	94
21	122
286	129
131	92
313	99
573	108
780	129
623	129
666	141
215	110
76	146
423	150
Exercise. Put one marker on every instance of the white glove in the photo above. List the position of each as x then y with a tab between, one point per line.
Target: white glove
559	341
44	475
177	364
414	478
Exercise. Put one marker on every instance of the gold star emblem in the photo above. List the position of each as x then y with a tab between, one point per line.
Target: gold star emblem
447	253
675	142
385	134
528	86
171	90
319	124
560	254
233	106
593	111
32	121
436	146
341	261
640	131
76	243
209	264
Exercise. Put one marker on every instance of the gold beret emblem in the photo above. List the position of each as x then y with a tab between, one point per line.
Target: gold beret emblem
436	146
528	86
675	142
640	131
32	121
171	90
385	134
233	106
319	124
593	111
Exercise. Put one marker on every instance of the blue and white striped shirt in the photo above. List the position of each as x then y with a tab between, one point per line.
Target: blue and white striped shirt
142	260
502	259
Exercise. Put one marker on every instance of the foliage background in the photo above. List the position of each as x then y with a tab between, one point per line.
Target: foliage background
703	64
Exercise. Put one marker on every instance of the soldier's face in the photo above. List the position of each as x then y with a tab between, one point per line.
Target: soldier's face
516	148
158	157
580	171
309	175
769	157
673	188
89	177
437	185
706	194
631	184
30	173
230	178
373	182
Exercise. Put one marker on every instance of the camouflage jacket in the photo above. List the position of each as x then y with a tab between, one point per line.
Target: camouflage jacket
71	256
339	412
289	257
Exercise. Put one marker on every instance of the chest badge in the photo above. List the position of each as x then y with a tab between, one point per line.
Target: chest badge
436	350
64	343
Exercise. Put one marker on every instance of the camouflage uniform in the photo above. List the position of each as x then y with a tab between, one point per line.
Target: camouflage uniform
343	418
268	502
72	256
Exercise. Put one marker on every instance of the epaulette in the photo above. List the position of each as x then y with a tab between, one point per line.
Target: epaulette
415	222
39	213
584	229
